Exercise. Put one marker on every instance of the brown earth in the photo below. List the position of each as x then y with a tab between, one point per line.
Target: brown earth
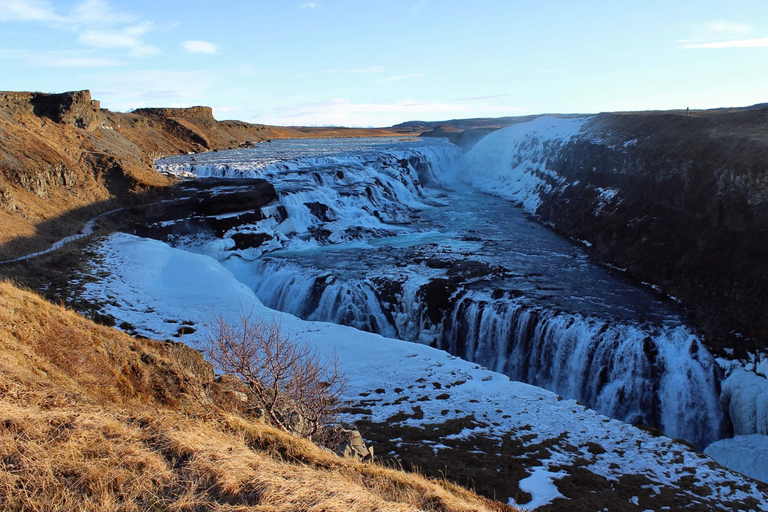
63	159
93	419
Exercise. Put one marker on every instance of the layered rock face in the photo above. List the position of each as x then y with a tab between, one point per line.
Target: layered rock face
74	108
678	200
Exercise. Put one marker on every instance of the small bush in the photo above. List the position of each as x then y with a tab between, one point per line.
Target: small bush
295	389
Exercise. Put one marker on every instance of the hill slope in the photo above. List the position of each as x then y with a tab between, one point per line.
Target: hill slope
96	420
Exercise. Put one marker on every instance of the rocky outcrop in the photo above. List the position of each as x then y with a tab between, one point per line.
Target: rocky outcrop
197	113
211	206
70	108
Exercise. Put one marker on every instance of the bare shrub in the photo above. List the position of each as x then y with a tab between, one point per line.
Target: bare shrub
297	390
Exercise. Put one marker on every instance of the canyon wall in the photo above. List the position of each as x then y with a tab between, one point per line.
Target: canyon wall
678	200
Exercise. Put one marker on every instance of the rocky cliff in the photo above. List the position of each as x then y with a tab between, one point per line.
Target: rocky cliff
679	200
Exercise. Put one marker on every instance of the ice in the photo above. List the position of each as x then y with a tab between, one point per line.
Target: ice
511	162
746	454
745	395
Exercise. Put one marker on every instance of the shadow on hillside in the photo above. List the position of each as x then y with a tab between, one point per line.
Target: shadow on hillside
72	222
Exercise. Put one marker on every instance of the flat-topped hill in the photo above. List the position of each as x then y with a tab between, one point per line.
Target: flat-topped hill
198	112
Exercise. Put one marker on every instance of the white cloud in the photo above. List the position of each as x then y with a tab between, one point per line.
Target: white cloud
201	47
761	42
728	27
309	5
396	78
117	30
27	10
129	38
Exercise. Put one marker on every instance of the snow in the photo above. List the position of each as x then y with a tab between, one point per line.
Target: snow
746	454
512	162
155	287
745	394
540	485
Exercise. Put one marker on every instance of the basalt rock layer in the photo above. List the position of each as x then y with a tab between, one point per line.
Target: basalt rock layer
678	199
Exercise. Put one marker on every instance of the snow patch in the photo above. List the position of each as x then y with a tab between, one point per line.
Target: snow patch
541	486
154	287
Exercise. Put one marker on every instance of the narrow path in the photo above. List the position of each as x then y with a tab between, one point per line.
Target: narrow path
87	230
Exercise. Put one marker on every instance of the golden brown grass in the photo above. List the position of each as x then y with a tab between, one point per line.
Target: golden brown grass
92	419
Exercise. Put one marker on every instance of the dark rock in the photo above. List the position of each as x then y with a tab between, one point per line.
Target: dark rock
250	240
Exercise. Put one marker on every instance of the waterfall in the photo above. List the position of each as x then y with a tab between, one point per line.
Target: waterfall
659	376
656	374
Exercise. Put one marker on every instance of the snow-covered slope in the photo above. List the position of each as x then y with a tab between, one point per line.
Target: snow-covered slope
156	288
512	162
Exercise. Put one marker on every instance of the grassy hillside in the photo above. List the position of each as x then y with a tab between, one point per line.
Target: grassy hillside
93	419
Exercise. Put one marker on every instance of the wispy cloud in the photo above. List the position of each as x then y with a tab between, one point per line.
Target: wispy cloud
89	12
129	38
397	78
722	34
761	42
730	27
61	59
309	5
72	62
483	98
371	69
117	30
201	47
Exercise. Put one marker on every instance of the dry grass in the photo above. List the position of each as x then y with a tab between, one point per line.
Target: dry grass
92	419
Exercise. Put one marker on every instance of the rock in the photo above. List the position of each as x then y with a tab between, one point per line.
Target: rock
354	446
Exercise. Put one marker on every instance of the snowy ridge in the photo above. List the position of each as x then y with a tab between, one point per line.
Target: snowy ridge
512	162
156	288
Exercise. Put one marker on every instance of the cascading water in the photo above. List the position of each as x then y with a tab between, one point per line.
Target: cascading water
654	376
363	243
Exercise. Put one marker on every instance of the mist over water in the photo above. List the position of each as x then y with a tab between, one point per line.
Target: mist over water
381	235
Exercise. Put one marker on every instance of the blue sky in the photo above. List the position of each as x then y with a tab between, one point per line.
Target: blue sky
380	62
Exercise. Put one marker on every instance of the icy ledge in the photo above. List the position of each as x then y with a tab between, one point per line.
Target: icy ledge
155	288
